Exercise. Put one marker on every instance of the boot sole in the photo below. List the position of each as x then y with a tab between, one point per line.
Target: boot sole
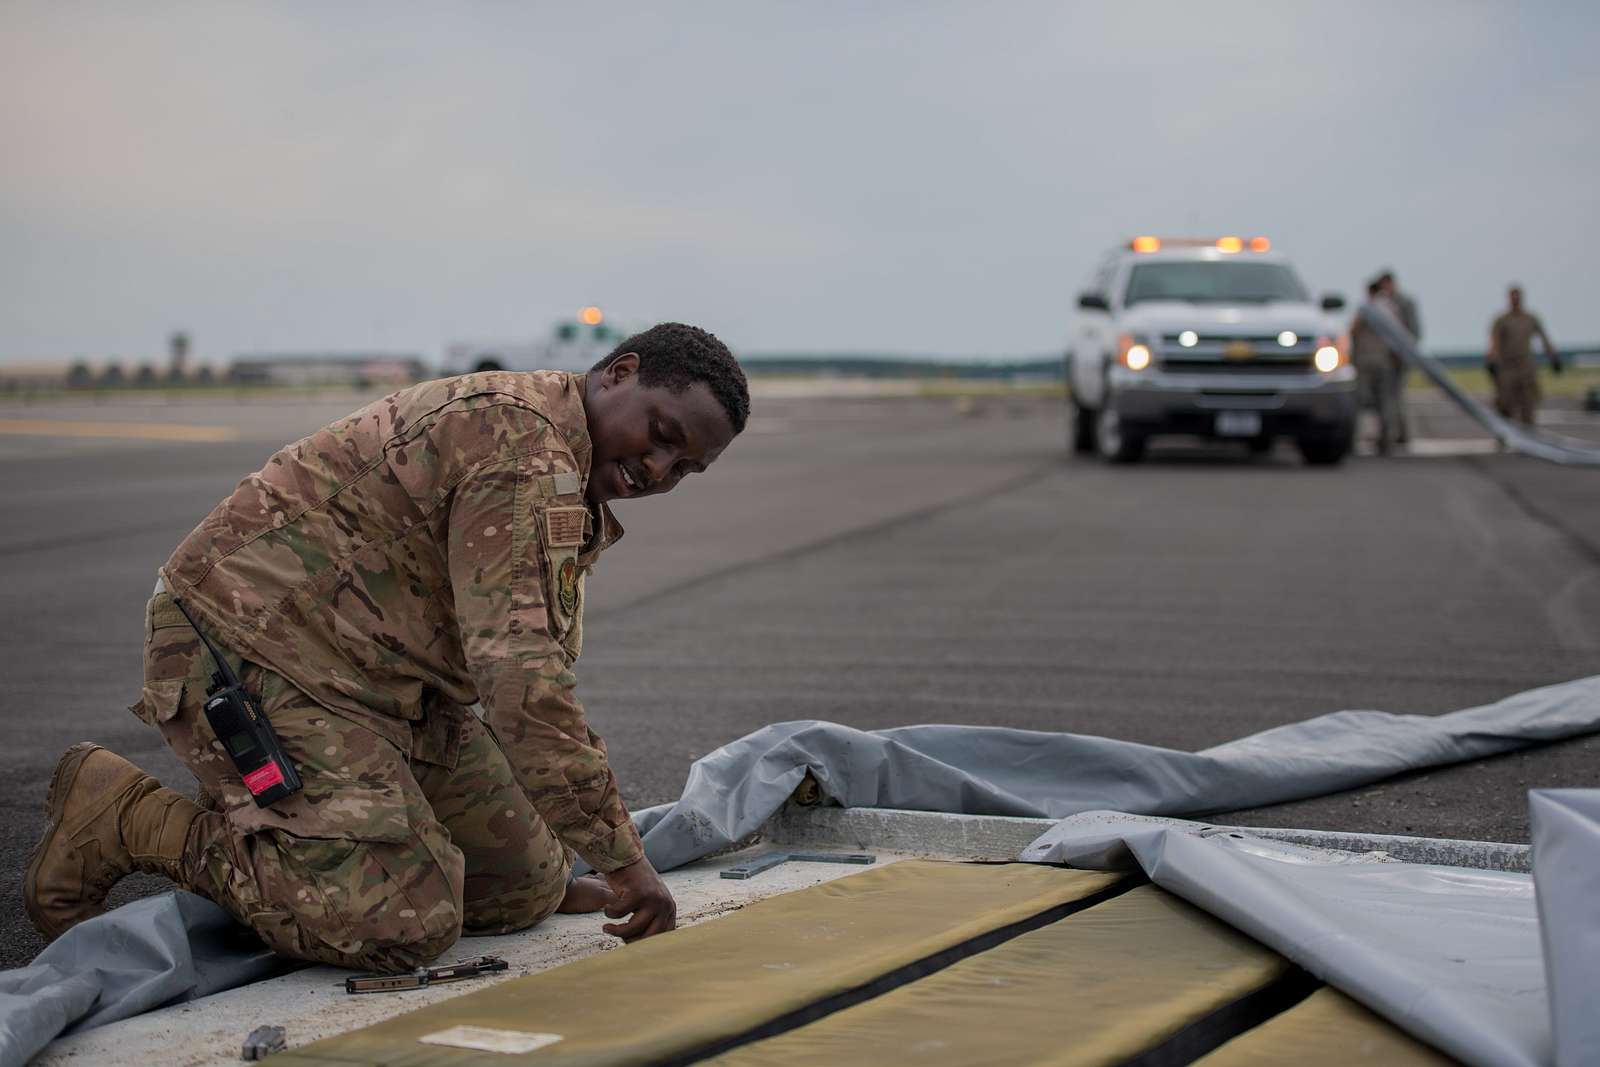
60	785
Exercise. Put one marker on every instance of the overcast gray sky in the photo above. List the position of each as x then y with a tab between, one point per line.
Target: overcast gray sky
797	177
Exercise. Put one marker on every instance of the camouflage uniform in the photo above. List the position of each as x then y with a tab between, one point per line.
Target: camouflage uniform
1517	377
1378	375
1411	319
375	579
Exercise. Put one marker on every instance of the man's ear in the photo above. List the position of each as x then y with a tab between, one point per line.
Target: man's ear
622	368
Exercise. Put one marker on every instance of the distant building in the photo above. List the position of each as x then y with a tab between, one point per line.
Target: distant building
32	377
359	369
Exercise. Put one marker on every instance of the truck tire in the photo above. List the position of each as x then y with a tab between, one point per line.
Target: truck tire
1083	429
1324	451
1115	444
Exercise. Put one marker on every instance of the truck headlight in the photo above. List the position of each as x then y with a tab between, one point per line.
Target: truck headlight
1329	356
1132	352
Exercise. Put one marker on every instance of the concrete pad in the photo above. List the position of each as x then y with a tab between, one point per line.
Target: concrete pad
312	1004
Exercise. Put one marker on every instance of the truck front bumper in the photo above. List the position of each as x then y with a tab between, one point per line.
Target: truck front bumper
1302	405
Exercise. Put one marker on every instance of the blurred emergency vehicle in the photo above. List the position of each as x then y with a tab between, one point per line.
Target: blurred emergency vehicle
1214	337
573	345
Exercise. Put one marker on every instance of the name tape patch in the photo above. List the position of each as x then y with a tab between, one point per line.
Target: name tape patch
564	526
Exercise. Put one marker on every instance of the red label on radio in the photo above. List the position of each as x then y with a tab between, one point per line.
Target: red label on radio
263	778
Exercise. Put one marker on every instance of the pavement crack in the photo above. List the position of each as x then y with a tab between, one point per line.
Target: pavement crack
1025	478
1564	612
1581	544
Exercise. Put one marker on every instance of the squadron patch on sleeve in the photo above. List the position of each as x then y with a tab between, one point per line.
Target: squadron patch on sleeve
567	585
564	526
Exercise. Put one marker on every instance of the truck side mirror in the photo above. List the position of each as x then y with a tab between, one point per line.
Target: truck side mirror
1093	302
1332	301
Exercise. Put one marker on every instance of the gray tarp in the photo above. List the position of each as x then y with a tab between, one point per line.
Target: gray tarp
1447	953
1537	443
996	771
1566	869
969	769
154	951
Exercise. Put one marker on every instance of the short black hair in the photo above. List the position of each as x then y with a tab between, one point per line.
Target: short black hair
675	356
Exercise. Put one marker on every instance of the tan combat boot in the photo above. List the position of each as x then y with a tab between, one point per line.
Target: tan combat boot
107	819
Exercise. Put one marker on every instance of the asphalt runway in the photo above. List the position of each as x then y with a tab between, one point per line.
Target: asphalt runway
881	560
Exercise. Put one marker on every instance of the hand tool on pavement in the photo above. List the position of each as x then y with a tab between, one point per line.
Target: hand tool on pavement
772	859
423	977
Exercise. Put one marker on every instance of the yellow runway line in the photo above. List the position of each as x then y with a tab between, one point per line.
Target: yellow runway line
141	431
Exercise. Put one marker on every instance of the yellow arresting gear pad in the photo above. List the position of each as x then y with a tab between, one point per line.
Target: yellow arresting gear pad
692	988
1098	987
1327	1029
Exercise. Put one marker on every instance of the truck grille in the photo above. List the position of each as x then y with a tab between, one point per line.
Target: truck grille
1236	354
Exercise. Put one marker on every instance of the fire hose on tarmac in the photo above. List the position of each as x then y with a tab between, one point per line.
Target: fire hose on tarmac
1518	438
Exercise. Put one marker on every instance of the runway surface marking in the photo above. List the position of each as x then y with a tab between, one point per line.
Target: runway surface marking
144	431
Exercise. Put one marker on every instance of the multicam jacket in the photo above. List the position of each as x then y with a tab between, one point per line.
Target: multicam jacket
429	550
1513	333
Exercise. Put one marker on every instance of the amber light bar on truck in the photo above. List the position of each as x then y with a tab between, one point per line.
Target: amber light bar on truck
1148	243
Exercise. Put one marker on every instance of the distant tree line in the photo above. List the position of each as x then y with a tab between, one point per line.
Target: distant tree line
81	375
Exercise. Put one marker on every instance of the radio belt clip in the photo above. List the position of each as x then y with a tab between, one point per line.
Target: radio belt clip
246	733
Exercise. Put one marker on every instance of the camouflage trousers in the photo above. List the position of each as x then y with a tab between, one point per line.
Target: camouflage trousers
386	856
1516	390
1380	390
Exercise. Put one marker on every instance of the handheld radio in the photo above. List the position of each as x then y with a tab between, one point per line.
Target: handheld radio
246	734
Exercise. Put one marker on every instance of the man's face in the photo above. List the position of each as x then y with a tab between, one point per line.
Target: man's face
647	439
1515	296
1386	287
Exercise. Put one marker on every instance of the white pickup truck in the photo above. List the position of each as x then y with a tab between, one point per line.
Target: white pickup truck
1216	338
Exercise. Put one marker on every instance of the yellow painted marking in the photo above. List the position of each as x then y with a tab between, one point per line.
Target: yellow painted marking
143	431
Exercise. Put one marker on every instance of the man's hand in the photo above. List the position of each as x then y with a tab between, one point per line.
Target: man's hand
587	894
641	893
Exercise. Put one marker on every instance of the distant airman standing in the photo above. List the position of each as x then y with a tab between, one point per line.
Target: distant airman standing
1516	375
1411	319
1376	367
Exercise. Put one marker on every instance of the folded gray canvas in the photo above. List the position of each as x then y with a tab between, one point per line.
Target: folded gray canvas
1566	872
154	951
1468	961
966	769
995	771
1449	954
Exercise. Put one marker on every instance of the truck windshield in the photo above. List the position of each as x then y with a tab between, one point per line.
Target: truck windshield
1210	282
